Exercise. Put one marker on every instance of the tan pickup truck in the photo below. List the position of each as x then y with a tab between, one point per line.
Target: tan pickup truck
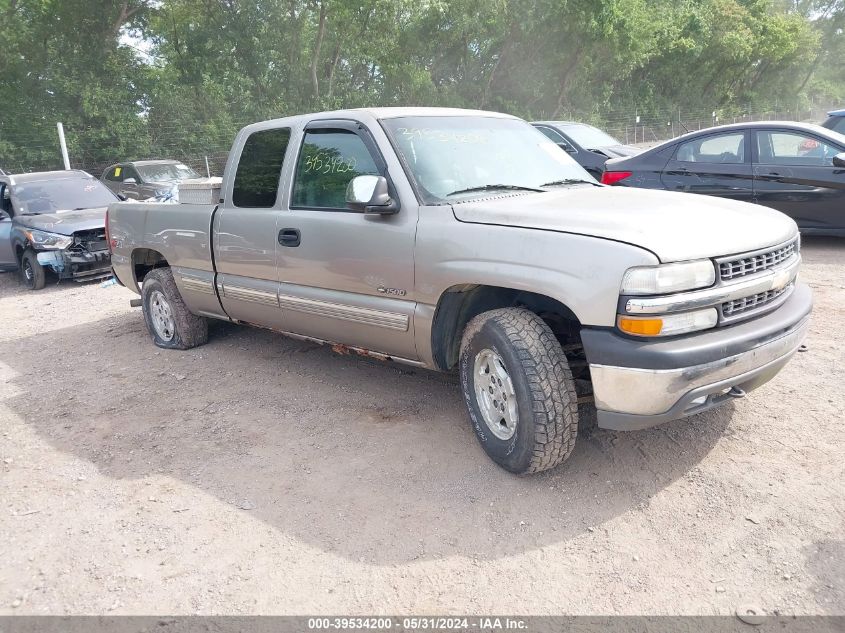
453	239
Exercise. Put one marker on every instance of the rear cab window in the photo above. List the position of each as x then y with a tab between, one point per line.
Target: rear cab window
259	169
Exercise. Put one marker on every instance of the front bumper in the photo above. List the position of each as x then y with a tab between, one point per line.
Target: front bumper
77	265
641	383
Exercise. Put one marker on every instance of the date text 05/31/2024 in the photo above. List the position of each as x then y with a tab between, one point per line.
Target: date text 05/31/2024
418	624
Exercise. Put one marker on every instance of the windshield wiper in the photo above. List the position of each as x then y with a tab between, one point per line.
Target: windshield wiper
494	188
570	181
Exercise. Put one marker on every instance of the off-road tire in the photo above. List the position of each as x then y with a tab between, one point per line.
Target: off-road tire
547	405
189	329
29	261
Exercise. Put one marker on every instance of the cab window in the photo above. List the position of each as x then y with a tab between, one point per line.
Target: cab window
115	174
721	148
329	159
259	169
556	137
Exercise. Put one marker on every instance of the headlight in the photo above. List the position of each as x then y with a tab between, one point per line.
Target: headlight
48	241
670	324
668	278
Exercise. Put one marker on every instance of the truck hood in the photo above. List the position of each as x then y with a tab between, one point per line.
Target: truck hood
65	222
673	226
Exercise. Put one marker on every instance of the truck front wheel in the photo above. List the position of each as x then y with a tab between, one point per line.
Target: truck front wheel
168	319
519	390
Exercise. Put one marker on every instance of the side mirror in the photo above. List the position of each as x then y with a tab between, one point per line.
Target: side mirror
369	194
122	197
130	181
4	216
839	160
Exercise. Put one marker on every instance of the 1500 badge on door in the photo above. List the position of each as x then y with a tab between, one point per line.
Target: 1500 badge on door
396	292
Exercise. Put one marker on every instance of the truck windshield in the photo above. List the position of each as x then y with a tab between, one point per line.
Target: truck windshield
451	158
166	172
62	194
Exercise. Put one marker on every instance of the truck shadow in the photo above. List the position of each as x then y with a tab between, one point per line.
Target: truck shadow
371	461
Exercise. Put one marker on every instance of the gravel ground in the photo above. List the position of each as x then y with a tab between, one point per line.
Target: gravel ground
258	474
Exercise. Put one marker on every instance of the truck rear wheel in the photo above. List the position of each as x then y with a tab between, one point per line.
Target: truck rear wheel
168	319
519	390
33	274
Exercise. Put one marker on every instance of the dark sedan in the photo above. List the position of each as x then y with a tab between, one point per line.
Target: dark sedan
796	168
589	146
54	221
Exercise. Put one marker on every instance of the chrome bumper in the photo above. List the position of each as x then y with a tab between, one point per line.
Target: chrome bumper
629	398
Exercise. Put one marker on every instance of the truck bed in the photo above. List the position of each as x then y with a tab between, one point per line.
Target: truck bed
179	233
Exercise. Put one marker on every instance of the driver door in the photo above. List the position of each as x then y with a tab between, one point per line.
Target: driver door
129	186
794	173
7	253
344	276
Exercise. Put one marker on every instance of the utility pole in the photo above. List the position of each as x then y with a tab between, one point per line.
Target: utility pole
62	142
636	124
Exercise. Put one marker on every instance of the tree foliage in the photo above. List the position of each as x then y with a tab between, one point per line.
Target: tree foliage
142	78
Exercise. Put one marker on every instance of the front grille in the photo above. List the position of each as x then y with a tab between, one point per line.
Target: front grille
750	264
99	245
91	241
746	304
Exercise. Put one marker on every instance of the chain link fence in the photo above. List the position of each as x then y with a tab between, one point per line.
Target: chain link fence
650	128
644	128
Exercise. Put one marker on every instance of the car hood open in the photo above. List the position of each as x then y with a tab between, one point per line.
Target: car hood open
65	222
673	226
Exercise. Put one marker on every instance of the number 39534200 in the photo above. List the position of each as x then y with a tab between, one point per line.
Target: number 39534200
324	163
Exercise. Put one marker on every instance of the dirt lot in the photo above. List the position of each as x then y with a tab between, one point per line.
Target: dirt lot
263	475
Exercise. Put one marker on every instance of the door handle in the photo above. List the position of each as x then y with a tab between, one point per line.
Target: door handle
290	237
768	172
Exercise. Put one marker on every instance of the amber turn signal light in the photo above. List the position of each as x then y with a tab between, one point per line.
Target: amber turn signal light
641	327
